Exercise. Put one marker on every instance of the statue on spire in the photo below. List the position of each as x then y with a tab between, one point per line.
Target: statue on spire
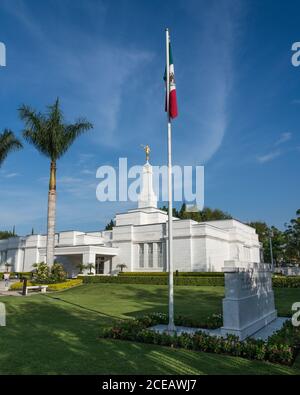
147	151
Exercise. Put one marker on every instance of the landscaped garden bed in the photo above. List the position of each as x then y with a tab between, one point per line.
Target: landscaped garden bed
55	278
18	286
282	347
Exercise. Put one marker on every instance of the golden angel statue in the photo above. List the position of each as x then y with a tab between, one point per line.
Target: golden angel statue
147	151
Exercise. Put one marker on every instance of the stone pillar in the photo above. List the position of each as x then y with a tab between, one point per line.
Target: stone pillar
248	305
155	255
145	255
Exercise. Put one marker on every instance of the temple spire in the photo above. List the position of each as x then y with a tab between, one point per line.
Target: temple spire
147	197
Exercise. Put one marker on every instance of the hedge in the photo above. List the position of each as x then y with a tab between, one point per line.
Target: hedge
18	286
155	280
66	285
282	347
176	274
286	281
278	282
28	275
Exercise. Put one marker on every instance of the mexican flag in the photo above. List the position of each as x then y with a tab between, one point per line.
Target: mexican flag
173	111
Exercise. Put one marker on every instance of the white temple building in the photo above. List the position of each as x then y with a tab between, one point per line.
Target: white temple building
139	240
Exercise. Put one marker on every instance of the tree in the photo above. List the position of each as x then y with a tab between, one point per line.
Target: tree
293	239
110	225
81	267
207	214
90	266
121	266
6	234
278	241
8	143
52	137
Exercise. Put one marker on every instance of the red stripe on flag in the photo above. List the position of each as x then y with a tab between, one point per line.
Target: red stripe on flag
173	111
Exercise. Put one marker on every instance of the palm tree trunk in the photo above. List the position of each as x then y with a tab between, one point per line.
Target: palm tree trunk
51	214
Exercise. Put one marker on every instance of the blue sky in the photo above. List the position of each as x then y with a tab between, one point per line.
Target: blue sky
238	97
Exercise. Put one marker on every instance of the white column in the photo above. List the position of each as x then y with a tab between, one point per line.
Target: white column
155	255
146	255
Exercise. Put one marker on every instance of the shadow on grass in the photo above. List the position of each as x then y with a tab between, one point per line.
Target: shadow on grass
49	336
128	301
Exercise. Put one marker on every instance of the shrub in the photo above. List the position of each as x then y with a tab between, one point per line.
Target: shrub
57	273
155	280
65	285
176	274
20	275
52	287
42	273
286	281
45	275
274	350
19	286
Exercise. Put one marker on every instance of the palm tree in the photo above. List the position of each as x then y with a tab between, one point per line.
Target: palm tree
50	135
8	143
121	266
90	266
81	267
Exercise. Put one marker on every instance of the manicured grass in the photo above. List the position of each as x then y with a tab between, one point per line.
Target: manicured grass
58	333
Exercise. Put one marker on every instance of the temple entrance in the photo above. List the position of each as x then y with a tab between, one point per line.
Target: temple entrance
99	265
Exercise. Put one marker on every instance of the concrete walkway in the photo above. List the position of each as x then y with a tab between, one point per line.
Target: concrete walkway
4	292
262	334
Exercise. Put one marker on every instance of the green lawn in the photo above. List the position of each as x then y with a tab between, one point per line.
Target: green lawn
58	333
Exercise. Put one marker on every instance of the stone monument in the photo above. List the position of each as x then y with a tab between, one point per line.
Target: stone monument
248	305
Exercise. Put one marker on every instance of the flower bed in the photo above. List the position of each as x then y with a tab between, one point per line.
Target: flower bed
280	348
51	287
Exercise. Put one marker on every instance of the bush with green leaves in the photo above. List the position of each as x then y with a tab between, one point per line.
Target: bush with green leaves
42	273
57	273
176	274
46	275
286	281
276	349
155	280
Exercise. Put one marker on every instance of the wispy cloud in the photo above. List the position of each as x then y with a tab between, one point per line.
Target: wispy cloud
214	59
268	157
88	172
11	175
276	152
284	137
96	71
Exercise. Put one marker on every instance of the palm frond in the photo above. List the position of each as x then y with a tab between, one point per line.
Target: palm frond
8	143
48	133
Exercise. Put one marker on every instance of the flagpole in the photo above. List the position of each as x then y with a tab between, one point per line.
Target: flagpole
171	325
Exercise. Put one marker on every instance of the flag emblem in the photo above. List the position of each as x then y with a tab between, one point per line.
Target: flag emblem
173	109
